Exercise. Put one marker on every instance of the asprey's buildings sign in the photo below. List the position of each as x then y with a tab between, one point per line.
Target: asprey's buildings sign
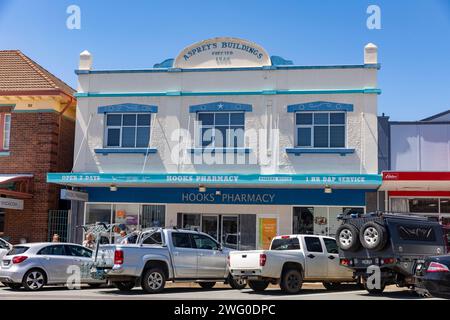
222	52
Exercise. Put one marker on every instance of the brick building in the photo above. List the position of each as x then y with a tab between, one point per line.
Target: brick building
37	113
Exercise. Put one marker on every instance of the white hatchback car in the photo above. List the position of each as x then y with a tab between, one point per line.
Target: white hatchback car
34	265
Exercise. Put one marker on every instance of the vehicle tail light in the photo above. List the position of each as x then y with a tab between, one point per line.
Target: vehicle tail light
345	262
437	267
118	257
388	261
262	260
285	237
19	259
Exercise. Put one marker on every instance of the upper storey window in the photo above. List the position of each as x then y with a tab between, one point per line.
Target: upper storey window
320	129
221	129
128	130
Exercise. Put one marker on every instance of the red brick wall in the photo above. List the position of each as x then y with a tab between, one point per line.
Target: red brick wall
40	143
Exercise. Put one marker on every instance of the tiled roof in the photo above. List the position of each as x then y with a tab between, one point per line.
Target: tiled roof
19	74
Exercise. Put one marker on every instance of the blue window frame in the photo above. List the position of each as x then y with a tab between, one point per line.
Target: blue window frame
220	129
320	129
127	130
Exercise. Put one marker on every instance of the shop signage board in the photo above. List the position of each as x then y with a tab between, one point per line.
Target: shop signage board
92	179
267	231
14	204
74	195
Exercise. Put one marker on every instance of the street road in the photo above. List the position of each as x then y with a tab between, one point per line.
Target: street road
193	292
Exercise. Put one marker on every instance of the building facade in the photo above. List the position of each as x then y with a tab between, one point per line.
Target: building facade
418	177
37	126
228	140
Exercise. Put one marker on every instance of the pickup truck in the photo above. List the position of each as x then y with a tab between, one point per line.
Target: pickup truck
159	255
291	260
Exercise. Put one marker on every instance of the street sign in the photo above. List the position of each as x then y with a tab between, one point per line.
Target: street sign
7	203
74	195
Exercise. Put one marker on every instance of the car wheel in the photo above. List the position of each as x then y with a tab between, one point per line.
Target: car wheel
14	286
207	285
34	280
291	281
347	237
258	285
124	285
373	236
332	285
153	280
237	284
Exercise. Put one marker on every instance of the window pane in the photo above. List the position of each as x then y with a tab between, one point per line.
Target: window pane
220	137
337	136
304	137
237	119
129	119
337	118
237	137
320	137
304	118
7	132
331	245
113	138
423	205
181	240
321	118
114	120
206	118
445	205
128	137
204	242
143	120
222	119
143	137
313	244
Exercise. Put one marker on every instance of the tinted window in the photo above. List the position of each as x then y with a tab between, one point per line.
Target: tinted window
181	240
313	244
78	251
53	251
416	233
331	245
204	242
17	250
154	238
285	244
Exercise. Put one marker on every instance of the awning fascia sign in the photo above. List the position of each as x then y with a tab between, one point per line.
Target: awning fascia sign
101	179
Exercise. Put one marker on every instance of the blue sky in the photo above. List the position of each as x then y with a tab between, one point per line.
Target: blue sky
414	42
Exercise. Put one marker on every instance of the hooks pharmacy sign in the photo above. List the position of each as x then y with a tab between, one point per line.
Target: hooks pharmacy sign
222	53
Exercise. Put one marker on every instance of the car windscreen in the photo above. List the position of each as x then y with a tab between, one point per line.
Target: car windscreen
17	250
416	233
285	244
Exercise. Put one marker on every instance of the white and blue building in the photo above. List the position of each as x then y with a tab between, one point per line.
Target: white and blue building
226	139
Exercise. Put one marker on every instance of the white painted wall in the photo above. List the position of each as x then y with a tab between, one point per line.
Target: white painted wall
174	113
420	147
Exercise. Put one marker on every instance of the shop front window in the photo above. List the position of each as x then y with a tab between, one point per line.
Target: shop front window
127	217
303	220
191	221
98	213
445	205
424	205
153	216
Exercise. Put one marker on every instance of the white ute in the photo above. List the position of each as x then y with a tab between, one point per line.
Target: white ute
291	260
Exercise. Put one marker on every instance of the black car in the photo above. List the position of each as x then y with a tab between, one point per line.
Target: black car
434	276
395	243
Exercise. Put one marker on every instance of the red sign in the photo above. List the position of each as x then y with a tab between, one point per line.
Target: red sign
416	176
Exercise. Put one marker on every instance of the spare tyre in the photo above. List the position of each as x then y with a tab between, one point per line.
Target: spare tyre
347	237
373	236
